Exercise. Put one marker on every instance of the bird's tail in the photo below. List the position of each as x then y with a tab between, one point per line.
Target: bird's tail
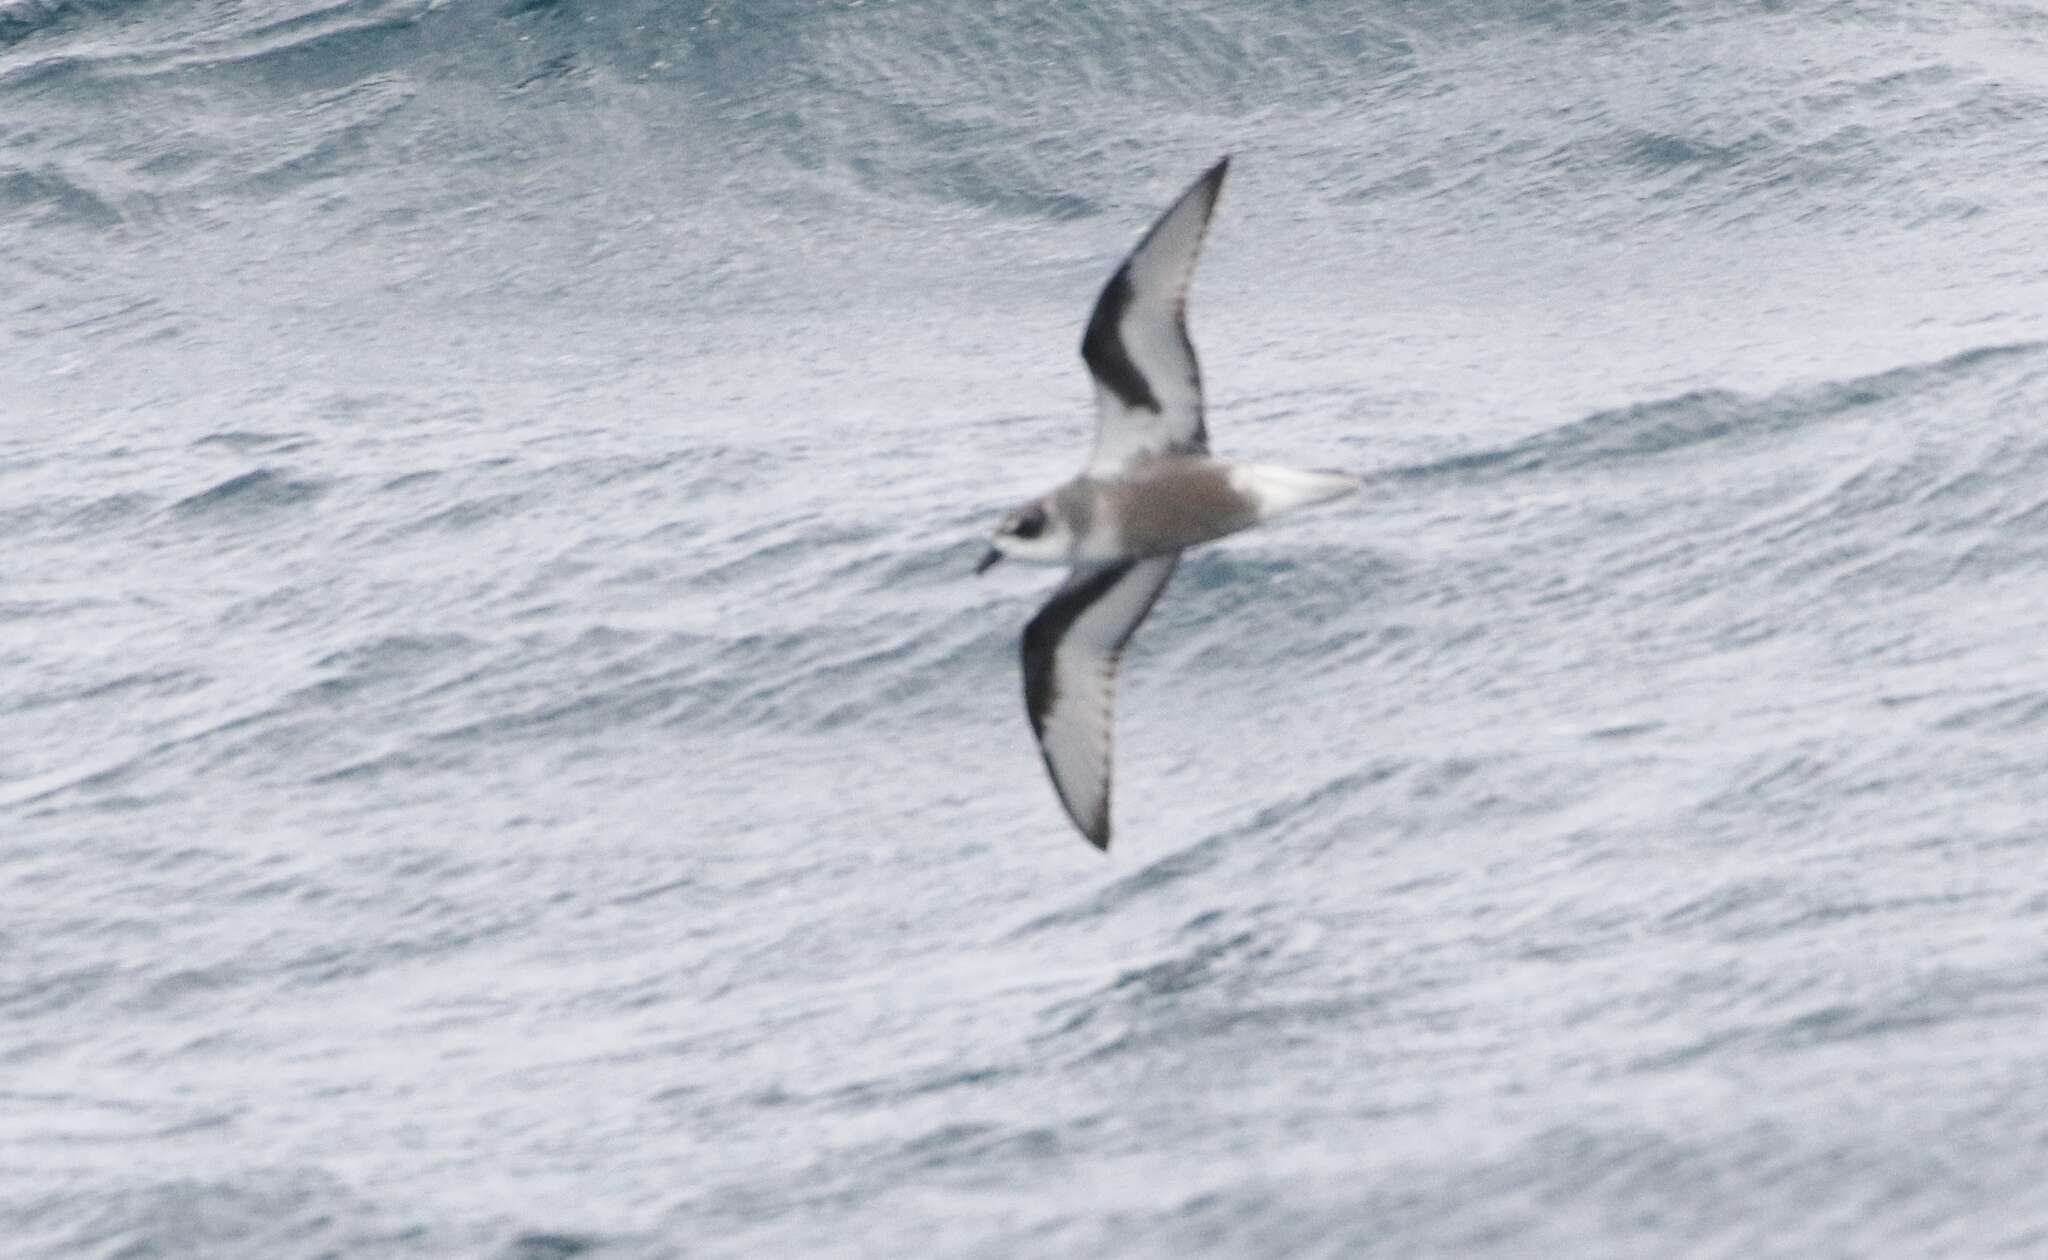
1278	490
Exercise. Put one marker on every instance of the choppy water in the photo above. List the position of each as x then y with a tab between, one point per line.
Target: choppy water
501	756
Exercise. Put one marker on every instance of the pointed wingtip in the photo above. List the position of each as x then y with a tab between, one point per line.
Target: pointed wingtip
1094	828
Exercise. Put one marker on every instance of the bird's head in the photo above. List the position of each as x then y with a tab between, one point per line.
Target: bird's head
1031	533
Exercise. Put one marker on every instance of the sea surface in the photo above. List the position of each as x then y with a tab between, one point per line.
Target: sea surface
503	756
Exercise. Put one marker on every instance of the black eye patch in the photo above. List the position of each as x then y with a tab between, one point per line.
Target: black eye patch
1030	524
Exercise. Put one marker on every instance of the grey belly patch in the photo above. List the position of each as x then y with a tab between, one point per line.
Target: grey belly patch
1176	508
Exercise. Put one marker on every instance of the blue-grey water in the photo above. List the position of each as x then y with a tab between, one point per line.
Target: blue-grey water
502	756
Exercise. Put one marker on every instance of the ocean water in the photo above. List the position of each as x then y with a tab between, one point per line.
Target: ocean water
502	754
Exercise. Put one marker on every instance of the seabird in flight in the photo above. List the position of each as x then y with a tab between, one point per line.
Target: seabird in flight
1150	489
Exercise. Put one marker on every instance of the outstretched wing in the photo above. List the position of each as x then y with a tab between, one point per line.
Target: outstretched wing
1071	649
1148	389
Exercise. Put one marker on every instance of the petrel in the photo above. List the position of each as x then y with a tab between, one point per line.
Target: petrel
1150	489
